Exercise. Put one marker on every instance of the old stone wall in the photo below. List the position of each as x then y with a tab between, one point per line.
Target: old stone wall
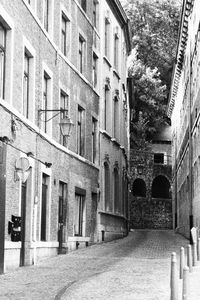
146	211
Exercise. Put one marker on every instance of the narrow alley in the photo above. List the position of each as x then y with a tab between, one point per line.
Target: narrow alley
136	267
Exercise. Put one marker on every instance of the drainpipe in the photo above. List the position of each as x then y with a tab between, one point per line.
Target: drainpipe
191	221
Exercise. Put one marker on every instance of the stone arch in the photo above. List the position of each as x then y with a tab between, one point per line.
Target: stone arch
139	188
160	187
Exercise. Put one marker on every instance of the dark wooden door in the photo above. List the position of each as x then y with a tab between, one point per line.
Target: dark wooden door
23	223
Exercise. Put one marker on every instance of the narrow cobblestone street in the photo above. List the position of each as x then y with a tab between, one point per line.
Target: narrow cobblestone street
136	267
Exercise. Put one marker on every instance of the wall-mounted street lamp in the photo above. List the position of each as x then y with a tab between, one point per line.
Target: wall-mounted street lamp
65	123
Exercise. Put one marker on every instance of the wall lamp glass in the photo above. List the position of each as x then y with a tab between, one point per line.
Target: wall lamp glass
65	123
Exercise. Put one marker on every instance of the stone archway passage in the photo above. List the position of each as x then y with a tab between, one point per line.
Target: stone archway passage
161	187
139	188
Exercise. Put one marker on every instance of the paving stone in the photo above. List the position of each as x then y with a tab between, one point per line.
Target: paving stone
136	267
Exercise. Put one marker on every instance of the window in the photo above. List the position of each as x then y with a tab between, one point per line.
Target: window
64	34
116	191
84	4
159	158
79	226
46	15
64	104
45	181
94	70
26	81
46	79
107	187
2	59
94	139
81	54
95	11
80	131
116	114
62	211
106	107
116	51
107	36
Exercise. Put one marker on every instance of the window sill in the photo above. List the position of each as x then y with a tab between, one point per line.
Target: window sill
107	61
115	72
117	215
106	134
115	141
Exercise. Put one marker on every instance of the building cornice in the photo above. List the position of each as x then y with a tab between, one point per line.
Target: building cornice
121	16
180	53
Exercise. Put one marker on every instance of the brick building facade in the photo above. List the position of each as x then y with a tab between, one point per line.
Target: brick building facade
51	67
183	109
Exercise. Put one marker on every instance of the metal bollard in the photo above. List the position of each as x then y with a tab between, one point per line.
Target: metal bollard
174	278
194	248
182	262
189	257
198	249
185	290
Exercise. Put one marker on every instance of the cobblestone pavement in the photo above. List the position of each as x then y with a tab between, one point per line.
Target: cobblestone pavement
136	267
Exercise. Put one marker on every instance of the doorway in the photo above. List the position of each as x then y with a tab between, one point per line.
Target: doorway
23	222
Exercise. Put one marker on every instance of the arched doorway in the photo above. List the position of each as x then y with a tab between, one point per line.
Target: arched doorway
161	203
139	188
160	187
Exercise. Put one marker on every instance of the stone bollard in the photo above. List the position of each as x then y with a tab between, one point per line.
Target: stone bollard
185	289
182	262
189	257
194	248
198	249
174	278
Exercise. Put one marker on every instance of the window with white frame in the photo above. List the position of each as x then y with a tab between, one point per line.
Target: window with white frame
106	106
2	59
81	54
95	13
46	101
116	50
94	69
64	105
26	85
94	139
79	213
64	33
81	131
84	4
107	37
116	114
46	14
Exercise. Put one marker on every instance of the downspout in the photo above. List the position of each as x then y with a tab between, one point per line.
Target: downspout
191	220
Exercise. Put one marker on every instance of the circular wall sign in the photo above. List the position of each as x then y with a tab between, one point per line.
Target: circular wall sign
22	163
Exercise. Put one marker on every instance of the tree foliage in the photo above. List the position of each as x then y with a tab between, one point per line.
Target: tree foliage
154	29
150	92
